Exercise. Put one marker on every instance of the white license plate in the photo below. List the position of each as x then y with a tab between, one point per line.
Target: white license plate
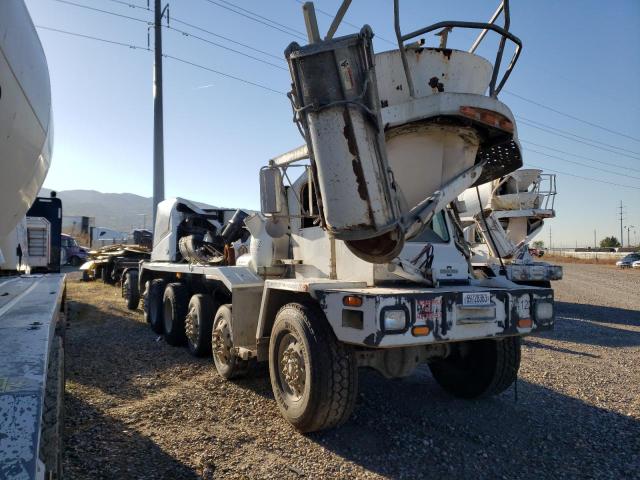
476	299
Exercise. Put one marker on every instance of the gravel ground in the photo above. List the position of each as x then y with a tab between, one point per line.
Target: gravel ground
138	408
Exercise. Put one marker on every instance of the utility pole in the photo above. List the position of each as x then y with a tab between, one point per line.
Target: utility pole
158	120
549	238
594	239
621	233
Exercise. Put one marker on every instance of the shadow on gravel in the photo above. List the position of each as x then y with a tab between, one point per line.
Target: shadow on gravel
575	323
598	313
553	348
131	359
411	429
99	447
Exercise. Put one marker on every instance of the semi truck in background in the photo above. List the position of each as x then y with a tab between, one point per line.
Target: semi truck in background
500	218
31	306
360	259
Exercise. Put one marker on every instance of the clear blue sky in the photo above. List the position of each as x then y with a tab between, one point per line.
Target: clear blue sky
579	57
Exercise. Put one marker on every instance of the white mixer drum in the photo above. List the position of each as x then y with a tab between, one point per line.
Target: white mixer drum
425	156
25	114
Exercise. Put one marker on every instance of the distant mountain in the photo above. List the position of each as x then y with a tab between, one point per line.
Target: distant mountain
118	211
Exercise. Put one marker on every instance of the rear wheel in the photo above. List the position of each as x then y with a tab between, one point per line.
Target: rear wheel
227	363
199	323
145	301
176	298
130	290
479	368
314	377
105	273
155	307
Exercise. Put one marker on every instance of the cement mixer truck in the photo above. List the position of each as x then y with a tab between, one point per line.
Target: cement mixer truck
501	217
357	256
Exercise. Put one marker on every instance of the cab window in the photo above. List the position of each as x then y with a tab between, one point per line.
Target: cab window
435	231
308	221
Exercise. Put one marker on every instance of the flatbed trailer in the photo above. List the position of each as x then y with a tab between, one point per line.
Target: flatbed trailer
32	324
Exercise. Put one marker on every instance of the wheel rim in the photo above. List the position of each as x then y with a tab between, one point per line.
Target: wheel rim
221	343
192	325
291	367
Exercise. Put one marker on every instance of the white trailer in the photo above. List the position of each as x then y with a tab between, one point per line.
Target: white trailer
501	217
359	259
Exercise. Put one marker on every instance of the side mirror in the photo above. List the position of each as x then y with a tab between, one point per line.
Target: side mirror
270	190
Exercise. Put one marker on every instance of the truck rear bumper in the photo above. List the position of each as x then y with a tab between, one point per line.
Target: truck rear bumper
434	315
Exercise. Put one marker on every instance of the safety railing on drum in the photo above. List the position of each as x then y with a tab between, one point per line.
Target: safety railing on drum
447	26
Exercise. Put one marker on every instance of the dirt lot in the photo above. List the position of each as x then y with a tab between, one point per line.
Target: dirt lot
138	408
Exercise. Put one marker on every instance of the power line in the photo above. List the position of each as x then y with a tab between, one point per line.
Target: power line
289	31
131	5
218	72
578	136
584	178
332	16
580	156
67	2
178	59
204	30
582	164
90	37
187	34
557	133
573	117
251	12
182	32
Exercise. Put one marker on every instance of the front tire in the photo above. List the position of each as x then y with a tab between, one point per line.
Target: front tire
479	368
199	324
176	299
314	377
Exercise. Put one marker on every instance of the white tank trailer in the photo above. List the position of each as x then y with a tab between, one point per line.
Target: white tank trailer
31	329
501	218
359	259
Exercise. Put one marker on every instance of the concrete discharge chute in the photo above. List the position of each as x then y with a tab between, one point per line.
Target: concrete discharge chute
336	103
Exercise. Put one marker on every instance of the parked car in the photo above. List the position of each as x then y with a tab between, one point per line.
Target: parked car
627	261
74	253
636	264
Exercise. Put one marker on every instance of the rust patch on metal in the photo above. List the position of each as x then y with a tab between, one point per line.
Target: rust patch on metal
436	84
355	163
347	131
446	52
359	173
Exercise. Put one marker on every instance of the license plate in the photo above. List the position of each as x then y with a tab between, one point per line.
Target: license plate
476	299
